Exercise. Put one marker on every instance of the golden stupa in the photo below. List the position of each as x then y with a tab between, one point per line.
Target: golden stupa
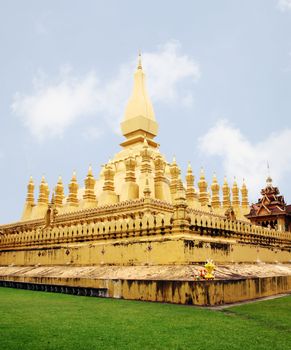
139	221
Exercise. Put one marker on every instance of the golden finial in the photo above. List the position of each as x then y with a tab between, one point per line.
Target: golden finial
202	173
90	170
139	66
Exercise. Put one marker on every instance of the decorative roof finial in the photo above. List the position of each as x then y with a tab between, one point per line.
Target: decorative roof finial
189	168
139	66
90	170
269	179
202	173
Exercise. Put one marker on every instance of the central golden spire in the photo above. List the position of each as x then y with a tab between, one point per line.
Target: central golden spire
139	120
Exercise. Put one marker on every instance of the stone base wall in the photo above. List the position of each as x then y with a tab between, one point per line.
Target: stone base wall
202	293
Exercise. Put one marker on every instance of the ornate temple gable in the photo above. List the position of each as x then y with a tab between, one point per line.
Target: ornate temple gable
271	201
263	210
271	209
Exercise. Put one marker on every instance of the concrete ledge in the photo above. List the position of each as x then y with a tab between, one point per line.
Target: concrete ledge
203	293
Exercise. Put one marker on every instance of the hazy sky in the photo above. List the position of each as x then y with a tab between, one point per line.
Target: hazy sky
219	73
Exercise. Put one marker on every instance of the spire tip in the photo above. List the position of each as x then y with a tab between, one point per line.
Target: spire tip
139	66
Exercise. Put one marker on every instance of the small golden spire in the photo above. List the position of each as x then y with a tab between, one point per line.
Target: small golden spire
89	194
190	191
215	200
226	203
59	192
235	194
43	191
175	172
72	199
244	194
202	185
30	191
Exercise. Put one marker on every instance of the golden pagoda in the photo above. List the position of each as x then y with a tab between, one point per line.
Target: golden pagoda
137	216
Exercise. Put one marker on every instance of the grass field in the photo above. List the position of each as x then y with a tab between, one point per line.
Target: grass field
39	320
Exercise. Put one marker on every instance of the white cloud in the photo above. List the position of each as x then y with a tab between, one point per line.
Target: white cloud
284	5
242	158
166	69
55	104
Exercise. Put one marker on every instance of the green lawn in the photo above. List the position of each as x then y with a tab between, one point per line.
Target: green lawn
39	320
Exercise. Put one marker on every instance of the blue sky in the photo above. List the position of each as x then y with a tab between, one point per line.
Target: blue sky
219	73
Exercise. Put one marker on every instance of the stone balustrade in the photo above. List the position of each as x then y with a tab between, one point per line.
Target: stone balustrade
99	225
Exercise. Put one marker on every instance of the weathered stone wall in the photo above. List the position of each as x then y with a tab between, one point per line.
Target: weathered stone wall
203	293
